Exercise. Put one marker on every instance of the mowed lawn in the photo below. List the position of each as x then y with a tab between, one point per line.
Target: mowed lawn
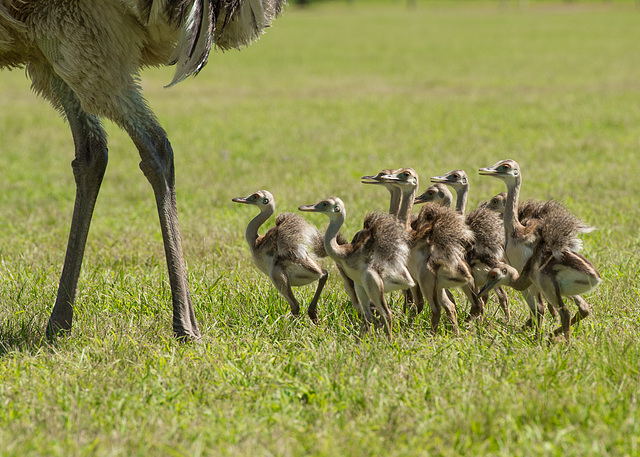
329	94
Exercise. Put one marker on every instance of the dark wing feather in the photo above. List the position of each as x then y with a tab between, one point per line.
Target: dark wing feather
196	20
144	10
204	23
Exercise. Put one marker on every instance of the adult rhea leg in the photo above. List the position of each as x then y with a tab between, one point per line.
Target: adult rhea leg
157	165
89	167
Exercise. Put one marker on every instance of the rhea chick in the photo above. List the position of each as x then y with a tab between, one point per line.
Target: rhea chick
287	253
569	275
375	260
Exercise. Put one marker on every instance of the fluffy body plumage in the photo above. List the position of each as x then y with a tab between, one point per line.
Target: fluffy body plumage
84	57
381	240
412	297
488	230
375	260
119	37
549	225
438	244
445	230
296	238
287	253
556	225
567	275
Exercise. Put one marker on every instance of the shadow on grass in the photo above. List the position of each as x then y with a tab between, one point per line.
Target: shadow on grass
24	334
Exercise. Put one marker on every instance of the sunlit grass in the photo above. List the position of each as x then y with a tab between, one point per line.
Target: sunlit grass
330	93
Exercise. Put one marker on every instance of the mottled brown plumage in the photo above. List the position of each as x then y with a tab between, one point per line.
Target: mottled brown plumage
286	253
488	230
569	274
439	244
561	227
412	297
439	240
375	261
548	226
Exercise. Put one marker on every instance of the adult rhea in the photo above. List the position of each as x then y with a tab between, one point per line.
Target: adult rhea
84	57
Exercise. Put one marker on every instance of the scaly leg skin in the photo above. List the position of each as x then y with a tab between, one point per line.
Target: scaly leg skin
375	290
158	167
427	281
417	306
89	166
313	306
503	300
364	310
565	315
477	305
66	88
280	280
583	309
534	301
450	310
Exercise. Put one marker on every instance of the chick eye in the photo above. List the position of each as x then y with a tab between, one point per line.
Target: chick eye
455	176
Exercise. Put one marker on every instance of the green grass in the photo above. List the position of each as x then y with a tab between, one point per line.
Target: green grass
330	93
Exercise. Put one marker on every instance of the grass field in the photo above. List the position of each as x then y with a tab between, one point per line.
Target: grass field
330	93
